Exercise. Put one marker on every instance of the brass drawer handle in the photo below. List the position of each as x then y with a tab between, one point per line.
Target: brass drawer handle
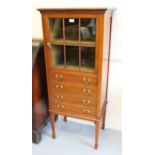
87	80
59	97
60	106
86	111
59	87
59	77
86	102
86	91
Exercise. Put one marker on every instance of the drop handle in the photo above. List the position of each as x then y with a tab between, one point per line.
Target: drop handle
59	97
59	87
86	102
87	80
49	44
59	77
86	111
60	106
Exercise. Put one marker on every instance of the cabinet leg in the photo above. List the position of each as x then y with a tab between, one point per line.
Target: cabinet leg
103	118
65	118
96	135
52	116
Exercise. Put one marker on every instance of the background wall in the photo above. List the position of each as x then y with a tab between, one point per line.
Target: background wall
114	107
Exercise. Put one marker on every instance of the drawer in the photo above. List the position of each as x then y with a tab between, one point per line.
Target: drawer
86	79
73	89
74	99
73	109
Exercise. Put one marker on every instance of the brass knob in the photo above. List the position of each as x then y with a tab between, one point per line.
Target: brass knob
89	91
58	106
49	45
61	87
57	86
84	79
83	101
58	96
61	97
88	101
57	75
86	111
62	106
84	90
89	80
61	76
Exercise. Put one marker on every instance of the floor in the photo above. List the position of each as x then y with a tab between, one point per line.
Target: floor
76	138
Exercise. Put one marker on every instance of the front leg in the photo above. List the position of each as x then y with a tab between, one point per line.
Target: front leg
52	115
104	115
65	118
103	118
96	134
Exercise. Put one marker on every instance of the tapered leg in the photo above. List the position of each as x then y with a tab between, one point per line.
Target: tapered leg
65	118
96	134
53	125
103	118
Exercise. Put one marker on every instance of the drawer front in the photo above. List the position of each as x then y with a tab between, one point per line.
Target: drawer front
73	89
73	109
74	99
73	78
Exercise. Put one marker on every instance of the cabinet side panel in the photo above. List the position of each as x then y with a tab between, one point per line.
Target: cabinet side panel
105	59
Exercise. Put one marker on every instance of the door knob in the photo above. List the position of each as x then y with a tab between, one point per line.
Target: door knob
49	45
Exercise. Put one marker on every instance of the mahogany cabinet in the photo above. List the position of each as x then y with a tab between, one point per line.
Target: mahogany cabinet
40	112
77	54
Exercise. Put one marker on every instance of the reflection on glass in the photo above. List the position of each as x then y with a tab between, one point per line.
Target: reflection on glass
88	29
72	56
56	29
72	29
57	56
88	58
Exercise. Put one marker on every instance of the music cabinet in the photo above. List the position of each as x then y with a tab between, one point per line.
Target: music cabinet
77	54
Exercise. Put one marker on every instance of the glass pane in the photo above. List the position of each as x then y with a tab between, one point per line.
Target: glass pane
88	58
72	56
72	29
57	56
56	29
88	29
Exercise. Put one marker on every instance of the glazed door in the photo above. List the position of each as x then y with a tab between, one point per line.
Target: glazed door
72	42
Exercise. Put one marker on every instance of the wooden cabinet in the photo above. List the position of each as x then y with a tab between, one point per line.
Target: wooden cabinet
77	52
40	112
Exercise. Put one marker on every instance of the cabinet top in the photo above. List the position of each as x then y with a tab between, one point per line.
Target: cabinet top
76	10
